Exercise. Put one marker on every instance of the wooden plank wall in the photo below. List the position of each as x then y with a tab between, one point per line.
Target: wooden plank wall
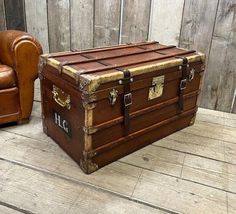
2	16
208	26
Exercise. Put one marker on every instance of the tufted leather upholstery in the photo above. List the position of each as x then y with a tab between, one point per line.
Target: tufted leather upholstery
19	56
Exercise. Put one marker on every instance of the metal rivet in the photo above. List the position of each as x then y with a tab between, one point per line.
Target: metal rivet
120	82
180	67
131	79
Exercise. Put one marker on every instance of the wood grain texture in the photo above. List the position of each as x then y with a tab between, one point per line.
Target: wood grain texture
40	192
59	25
81	24
231	203
166	30
37	94
15	18
37	10
198	24
179	195
37	173
220	79
2	16
49	155
107	22
210	172
213	131
157	159
6	210
197	145
135	21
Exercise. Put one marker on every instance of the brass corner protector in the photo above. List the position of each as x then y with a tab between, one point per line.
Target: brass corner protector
88	98
84	84
89	106
88	166
192	120
90	130
89	84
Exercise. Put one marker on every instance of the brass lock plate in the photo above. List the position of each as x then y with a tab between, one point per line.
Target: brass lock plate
156	90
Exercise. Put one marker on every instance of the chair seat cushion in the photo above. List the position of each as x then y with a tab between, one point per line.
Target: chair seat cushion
7	77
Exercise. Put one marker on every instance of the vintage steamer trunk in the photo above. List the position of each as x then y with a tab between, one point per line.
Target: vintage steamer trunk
102	104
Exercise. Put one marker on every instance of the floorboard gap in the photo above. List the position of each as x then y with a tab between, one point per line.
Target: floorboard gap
15	208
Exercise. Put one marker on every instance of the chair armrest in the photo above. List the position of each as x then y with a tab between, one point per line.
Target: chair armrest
21	51
9	40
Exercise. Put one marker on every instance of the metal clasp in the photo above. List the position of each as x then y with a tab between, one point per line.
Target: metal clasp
183	84
113	96
128	99
191	74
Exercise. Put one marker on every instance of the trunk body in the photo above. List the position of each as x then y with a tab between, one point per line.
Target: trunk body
102	104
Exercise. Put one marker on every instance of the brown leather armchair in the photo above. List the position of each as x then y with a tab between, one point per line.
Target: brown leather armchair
19	56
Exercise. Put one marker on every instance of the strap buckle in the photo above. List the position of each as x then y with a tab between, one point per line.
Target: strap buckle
183	84
127	99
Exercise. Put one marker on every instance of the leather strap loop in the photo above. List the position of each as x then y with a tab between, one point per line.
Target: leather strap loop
127	99
183	82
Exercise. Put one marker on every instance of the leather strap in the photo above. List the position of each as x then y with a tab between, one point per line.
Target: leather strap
127	98
183	82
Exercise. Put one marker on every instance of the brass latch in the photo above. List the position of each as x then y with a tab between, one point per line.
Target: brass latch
61	98
156	90
113	97
191	74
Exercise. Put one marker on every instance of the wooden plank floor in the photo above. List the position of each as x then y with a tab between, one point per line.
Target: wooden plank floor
191	171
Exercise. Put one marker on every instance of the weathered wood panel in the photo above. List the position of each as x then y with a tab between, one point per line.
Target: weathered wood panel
81	24
220	79
194	144
135	22
166	30
233	110
6	210
231	203
198	24
141	174
37	10
157	159
213	131
45	153
107	22
179	195
36	191
37	95
210	172
2	16
59	25
15	14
